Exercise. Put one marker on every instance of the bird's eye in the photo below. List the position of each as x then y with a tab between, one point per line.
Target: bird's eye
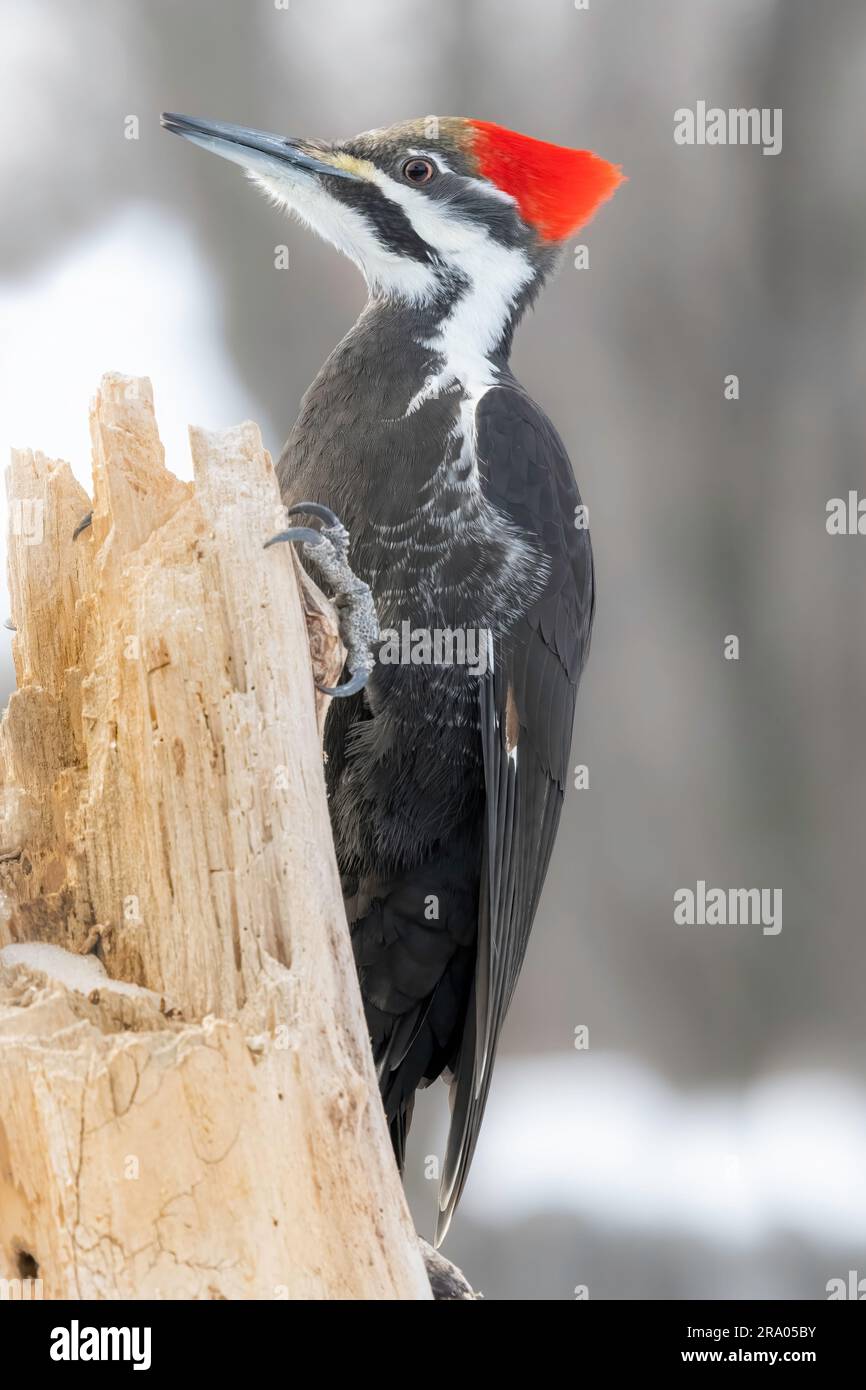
418	170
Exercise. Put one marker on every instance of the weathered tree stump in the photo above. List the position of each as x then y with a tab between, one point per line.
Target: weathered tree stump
188	1105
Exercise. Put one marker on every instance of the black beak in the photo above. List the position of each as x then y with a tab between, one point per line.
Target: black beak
253	149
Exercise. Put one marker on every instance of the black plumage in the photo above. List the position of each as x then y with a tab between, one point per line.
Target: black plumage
425	799
445	782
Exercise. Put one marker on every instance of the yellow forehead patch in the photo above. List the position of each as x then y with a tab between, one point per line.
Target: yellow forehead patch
340	160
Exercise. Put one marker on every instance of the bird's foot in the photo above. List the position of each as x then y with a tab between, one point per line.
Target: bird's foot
328	548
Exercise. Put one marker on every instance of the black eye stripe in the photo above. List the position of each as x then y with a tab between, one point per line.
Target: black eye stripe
385	218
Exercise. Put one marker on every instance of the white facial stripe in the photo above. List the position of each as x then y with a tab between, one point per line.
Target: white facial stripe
496	274
481	185
492	191
385	271
435	158
434	221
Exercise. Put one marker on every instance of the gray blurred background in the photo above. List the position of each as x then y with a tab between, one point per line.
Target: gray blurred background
712	1139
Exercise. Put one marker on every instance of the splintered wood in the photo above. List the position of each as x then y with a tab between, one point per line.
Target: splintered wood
216	1133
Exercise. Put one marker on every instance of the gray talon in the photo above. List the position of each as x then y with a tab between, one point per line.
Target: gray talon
10	625
82	525
316	509
351	687
359	625
297	533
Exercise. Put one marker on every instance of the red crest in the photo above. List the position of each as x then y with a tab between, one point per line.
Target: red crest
557	189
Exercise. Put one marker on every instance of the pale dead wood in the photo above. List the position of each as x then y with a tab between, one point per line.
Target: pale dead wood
164	808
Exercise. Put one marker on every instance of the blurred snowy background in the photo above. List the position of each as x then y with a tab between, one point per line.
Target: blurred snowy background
712	1139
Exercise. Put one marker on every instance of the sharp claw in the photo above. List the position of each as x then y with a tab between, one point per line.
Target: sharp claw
316	509
10	625
82	525
341	692
297	533
359	628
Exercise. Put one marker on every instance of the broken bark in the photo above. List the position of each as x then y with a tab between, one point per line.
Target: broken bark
215	1132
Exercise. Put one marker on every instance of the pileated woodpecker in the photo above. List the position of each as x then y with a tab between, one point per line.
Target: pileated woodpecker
445	782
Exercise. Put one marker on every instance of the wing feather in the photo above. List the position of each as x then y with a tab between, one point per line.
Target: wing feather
537	665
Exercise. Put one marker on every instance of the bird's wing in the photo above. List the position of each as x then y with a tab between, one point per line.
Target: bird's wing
527	710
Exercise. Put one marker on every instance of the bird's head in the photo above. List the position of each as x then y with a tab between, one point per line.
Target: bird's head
426	206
